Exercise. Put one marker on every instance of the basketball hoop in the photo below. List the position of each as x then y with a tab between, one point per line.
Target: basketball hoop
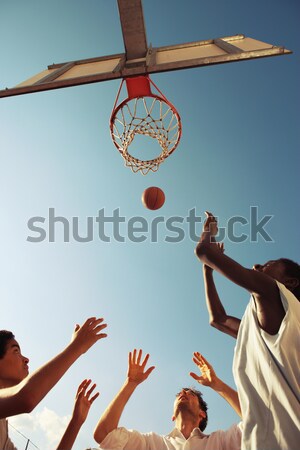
143	112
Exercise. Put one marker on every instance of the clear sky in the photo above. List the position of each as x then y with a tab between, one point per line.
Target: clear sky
239	153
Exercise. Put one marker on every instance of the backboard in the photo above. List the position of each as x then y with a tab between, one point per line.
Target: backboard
140	58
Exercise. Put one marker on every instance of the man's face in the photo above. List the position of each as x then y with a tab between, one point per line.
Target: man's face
273	268
13	365
187	401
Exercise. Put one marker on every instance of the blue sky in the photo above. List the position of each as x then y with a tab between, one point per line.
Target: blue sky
239	149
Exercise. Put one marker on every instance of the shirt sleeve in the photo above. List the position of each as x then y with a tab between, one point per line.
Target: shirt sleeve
123	439
233	437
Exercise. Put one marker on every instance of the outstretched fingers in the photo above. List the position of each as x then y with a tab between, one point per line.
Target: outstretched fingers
148	371
198	378
83	386
137	372
85	336
199	359
97	325
139	357
195	376
90	392
136	356
145	360
82	390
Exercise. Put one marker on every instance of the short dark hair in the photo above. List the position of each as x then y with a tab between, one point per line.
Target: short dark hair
203	405
292	269
5	336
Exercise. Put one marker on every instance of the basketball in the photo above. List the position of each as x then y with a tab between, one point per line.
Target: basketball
153	198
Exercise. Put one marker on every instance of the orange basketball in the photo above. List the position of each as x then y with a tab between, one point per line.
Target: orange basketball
153	198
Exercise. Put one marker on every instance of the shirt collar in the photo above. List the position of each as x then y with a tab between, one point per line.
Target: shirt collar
177	433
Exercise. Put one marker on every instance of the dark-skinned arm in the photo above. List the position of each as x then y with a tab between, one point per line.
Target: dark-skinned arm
265	291
218	317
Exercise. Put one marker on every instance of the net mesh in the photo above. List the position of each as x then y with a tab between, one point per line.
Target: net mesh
151	116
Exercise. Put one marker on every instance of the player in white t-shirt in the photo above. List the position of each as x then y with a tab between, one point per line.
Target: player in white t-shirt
189	414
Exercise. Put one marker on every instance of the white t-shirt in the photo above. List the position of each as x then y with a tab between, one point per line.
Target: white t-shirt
267	374
5	442
123	439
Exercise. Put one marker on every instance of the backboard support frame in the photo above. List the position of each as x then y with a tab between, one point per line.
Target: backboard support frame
58	76
141	59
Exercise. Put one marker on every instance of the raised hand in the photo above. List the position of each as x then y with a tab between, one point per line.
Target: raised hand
208	376
136	369
136	374
210	224
84	400
207	238
88	334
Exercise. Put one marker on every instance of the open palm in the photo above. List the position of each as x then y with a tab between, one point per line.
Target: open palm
208	376
136	369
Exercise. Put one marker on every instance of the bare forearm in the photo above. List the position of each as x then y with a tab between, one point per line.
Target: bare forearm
70	435
215	308
25	396
48	375
217	314
111	416
230	395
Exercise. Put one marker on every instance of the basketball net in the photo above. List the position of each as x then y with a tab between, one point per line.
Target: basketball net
146	113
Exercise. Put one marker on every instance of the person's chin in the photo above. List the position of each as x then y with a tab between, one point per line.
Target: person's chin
182	406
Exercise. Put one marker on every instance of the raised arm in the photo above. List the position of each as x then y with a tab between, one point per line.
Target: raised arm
83	402
218	317
25	396
136	374
209	378
263	287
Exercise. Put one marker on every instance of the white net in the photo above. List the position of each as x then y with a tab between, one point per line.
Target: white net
151	116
